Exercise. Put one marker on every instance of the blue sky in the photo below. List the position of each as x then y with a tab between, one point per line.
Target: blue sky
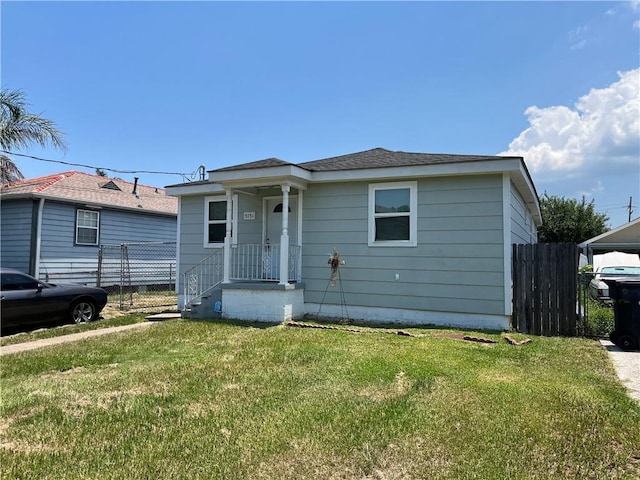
167	86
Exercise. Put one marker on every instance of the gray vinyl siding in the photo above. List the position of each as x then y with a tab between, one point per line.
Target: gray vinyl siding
191	238
192	227
523	229
60	255
16	220
457	265
128	227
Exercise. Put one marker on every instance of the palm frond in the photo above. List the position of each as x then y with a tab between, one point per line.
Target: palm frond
19	128
9	172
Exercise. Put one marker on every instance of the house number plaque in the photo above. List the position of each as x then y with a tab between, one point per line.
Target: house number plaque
249	215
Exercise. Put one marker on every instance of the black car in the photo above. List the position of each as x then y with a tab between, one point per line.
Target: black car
26	301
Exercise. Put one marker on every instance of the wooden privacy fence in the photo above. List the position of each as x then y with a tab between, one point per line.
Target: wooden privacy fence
545	289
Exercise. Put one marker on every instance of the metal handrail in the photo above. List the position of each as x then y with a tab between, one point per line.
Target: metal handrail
203	277
249	262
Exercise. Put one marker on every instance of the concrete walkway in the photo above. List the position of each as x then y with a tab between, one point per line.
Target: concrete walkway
45	342
627	365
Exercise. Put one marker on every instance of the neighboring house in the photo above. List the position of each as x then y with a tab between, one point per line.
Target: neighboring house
53	226
427	238
625	238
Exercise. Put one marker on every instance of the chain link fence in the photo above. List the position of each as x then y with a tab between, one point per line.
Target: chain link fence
138	275
596	315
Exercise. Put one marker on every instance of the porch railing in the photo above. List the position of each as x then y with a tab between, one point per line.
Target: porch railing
203	277
261	262
249	262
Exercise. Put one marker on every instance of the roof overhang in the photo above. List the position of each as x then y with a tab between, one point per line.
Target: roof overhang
605	238
513	166
261	177
194	188
299	177
219	181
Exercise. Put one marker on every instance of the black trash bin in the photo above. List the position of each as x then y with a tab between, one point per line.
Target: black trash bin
625	293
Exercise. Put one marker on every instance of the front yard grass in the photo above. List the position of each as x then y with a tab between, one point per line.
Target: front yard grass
188	399
48	332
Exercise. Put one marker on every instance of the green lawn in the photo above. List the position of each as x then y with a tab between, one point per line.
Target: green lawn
189	399
67	329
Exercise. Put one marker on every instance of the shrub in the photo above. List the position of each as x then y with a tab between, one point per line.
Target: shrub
600	320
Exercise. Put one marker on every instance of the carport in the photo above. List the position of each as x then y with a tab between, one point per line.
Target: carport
625	238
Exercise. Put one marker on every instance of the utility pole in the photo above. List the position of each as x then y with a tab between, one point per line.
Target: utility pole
629	207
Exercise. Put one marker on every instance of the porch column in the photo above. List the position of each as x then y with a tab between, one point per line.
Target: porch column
226	261
284	238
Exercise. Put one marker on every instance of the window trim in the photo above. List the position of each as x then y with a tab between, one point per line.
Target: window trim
97	228
234	219
412	214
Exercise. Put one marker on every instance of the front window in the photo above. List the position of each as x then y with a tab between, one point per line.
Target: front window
87	227
392	214
215	216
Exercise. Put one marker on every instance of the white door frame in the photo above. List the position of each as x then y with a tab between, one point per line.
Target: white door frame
265	214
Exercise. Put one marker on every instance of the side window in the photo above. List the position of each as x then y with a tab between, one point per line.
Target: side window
87	227
393	214
15	281
215	220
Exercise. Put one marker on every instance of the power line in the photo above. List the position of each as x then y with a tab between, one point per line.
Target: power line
183	175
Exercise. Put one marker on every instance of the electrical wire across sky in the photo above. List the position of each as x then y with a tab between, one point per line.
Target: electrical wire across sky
185	176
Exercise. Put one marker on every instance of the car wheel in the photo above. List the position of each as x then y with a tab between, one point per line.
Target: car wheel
83	311
627	342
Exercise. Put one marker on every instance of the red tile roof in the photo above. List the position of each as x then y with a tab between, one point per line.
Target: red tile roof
86	188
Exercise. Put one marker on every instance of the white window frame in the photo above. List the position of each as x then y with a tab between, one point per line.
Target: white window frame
234	219
412	214
96	228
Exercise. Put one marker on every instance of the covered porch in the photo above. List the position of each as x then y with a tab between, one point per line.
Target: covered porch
244	279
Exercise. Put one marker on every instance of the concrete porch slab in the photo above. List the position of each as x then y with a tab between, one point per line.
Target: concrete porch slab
159	317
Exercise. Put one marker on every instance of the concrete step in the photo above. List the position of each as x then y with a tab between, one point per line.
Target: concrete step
160	317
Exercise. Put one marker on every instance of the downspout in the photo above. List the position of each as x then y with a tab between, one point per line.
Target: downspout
38	235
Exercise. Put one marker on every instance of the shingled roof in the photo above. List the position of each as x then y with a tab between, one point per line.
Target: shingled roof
266	163
75	186
374	158
383	158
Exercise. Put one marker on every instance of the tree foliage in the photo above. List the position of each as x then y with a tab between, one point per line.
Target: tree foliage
19	129
569	220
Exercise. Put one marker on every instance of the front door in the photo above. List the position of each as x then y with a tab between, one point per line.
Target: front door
273	230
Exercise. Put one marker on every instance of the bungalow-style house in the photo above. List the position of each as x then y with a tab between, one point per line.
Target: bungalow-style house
52	227
426	238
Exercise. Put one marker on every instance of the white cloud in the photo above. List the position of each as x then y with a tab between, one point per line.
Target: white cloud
636	24
577	38
600	133
597	188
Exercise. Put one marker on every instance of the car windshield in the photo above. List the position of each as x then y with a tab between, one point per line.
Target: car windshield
613	271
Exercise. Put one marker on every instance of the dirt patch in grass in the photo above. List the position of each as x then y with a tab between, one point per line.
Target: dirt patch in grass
140	302
399	387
